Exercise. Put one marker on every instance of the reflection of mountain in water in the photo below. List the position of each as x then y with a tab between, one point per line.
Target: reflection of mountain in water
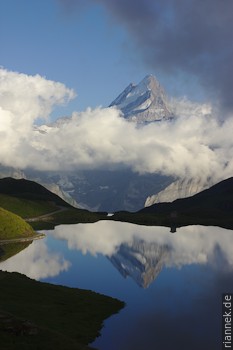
141	260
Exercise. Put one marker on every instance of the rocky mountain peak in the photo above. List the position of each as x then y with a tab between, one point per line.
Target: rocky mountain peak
150	82
145	102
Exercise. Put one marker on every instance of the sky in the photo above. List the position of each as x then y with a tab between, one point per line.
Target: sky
73	57
83	49
97	47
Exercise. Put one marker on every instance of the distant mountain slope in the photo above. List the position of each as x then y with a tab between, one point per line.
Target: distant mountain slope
22	188
145	102
107	190
218	197
181	188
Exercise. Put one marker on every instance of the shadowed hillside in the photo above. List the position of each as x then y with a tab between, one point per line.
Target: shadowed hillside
213	206
45	316
29	190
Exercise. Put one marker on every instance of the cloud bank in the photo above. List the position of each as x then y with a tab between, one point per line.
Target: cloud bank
192	37
195	144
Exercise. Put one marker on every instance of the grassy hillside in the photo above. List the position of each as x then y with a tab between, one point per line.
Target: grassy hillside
31	200
13	226
213	206
35	315
26	208
27	198
37	205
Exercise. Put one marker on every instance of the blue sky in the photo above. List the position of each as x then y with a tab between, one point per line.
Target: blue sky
85	51
95	49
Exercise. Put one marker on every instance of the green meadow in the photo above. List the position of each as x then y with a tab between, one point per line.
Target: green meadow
12	226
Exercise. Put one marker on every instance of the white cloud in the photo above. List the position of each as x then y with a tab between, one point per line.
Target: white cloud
194	145
24	99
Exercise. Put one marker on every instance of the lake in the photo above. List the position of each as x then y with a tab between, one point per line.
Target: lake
172	282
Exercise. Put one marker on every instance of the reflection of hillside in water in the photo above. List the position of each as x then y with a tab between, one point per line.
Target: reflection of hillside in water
140	260
10	249
37	261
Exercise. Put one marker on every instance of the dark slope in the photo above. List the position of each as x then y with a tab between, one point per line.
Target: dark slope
36	315
29	190
213	206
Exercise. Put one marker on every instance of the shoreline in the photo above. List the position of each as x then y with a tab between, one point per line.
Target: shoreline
23	239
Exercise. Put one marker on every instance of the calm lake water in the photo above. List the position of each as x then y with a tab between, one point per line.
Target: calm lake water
172	283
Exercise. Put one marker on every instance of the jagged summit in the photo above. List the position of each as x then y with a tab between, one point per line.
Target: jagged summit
150	82
145	102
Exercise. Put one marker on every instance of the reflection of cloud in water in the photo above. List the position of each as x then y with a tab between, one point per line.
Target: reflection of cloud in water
192	244
36	262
